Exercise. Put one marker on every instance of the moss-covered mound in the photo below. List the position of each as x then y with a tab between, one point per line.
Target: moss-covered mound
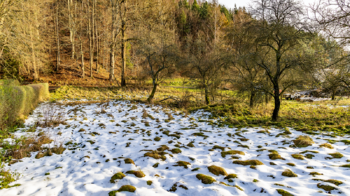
298	156
219	147
182	164
129	161
274	156
157	139
200	134
315	173
326	187
284	192
117	176
138	174
327	145
149	182
231	152
303	141
156	155
217	170
248	162
176	150
230	176
336	155
163	148
191	145
236	186
336	182
289	173
205	179
125	188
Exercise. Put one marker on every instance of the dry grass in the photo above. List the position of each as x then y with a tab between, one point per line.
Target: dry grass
24	146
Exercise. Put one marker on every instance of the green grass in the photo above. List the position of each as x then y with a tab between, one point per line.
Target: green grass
303	117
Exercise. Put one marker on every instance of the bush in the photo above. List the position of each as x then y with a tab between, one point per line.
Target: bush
16	101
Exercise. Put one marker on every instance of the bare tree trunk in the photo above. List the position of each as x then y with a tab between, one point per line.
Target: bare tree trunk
71	23
58	59
82	59
104	51
93	33
252	97
206	95
123	53
151	96
113	34
36	75
90	32
277	103
97	46
123	49
333	94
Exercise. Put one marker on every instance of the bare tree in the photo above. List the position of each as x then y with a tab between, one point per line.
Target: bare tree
333	18
280	32
58	56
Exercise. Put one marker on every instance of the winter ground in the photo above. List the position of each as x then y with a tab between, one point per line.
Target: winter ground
99	138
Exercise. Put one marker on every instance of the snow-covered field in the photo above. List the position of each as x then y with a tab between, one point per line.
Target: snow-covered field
99	143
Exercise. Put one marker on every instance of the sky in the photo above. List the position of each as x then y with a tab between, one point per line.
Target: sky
246	3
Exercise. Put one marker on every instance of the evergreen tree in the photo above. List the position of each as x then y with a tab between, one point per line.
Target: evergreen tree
205	10
195	6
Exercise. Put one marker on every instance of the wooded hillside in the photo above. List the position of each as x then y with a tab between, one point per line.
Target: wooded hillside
268	49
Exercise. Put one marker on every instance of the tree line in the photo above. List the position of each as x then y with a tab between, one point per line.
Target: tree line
268	49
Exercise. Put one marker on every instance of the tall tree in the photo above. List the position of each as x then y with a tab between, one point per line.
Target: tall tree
280	32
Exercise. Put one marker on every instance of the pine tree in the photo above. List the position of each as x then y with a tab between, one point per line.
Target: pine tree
195	6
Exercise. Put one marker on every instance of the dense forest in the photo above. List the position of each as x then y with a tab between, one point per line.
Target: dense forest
263	51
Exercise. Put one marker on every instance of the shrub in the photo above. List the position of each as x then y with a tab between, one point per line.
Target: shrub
16	101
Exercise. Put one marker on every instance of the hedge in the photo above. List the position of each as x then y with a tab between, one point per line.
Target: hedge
17	102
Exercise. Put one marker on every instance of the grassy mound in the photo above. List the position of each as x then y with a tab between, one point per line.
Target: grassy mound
217	170
327	145
298	156
219	147
336	155
284	192
303	141
274	156
248	162
336	182
163	148
125	188
117	176
327	188
182	164
289	173
229	176
231	152
129	161
176	150
315	173
156	155
205	179
138	174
